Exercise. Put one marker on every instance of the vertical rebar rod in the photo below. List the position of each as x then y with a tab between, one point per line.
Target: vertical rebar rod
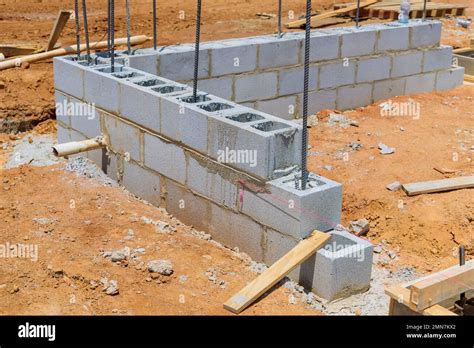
154	26
86	31
279	19
196	50
127	10
462	262
358	14
108	27
304	149
424	11
112	35
78	34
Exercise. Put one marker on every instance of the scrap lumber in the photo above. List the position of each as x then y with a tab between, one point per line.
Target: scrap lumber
301	22
433	186
61	20
442	285
469	78
13	51
300	253
401	295
135	40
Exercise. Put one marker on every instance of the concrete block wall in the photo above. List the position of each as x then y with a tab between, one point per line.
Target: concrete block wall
254	72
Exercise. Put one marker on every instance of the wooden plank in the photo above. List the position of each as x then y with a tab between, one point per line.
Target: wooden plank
13	51
302	22
469	78
401	295
61	20
442	285
433	186
300	253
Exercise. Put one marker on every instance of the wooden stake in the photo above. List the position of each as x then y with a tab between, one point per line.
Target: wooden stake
61	20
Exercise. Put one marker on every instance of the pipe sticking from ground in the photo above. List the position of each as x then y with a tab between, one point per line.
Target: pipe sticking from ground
75	147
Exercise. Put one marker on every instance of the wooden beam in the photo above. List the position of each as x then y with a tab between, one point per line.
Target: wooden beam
418	188
61	20
300	253
442	285
301	22
469	78
13	51
401	295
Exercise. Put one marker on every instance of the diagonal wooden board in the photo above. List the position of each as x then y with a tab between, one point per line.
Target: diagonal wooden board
61	20
419	188
300	253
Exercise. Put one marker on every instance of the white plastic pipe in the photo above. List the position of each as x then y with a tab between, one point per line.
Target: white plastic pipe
75	147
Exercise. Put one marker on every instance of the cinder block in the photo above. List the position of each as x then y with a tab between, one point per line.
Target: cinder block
448	79
177	64
276	246
123	137
438	59
393	37
84	118
62	134
295	212
284	107
221	87
166	158
358	42
62	103
213	181
351	97
389	88
69	76
256	86
324	46
237	230
337	74
291	81
420	83
341	268
425	34
373	69
319	100
94	155
407	64
140	105
270	54
142	182
102	89
233	58
145	62
187	207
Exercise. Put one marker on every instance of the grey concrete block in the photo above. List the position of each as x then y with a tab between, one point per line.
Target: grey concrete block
94	155
324	46
420	83
166	158
393	37
177	64
123	137
145	62
448	79
62	104
213	181
187	207
389	88
293	212
140	105
284	107
233	59
221	87
358	42
270	54
237	230
341	268
373	69
142	182
62	134
438	59
337	74
84	118
291	81
256	86
69	76
407	64
102	90
276	246
319	100
351	97
425	34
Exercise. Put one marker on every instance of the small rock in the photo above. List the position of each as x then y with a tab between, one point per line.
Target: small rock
371	158
386	150
93	284
328	168
2	85
356	146
394	186
42	221
378	249
163	267
117	256
392	254
360	227
112	288
15	289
